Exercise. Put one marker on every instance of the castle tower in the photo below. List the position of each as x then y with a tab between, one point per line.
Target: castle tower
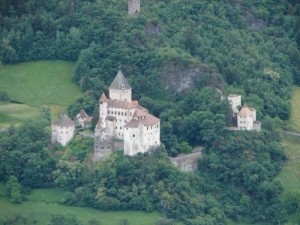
120	89
103	110
134	7
62	130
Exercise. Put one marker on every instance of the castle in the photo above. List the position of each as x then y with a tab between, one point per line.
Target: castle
62	131
121	118
246	117
134	7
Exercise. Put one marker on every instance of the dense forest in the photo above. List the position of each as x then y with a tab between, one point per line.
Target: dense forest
175	54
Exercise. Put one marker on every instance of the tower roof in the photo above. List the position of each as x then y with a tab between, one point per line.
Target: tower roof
103	98
246	111
82	114
64	122
146	120
120	82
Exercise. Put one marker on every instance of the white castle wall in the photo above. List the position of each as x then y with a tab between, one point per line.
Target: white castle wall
235	101
132	141
62	135
245	123
139	140
134	7
124	95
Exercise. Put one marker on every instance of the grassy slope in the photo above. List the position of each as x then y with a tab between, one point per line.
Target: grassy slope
294	122
44	202
14	114
38	84
290	175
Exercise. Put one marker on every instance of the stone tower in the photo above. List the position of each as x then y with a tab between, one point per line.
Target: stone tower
134	7
120	89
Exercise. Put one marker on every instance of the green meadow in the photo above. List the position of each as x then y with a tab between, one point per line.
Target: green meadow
36	85
42	203
13	114
294	122
290	174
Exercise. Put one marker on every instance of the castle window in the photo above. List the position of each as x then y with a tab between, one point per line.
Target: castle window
116	127
133	135
119	113
123	86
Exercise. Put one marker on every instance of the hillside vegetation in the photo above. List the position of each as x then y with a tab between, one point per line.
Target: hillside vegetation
43	204
175	54
294	122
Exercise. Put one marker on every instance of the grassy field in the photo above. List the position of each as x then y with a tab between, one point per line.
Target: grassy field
290	175
40	83
36	84
294	122
14	114
44	202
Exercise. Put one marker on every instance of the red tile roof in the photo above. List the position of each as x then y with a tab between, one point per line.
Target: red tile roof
83	114
103	98
122	104
246	112
64	122
147	120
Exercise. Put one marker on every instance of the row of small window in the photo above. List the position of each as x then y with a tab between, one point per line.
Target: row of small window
118	113
156	126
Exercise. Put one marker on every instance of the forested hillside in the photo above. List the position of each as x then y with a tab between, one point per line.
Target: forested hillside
175	54
245	47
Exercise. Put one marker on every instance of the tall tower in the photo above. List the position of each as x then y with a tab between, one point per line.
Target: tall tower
134	7
120	89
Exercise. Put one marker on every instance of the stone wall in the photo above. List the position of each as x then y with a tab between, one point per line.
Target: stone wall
187	162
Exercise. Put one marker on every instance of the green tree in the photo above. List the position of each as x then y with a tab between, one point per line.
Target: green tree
64	219
16	219
13	188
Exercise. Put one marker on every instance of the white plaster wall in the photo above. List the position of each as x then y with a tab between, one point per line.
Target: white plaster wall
123	116
151	136
124	95
235	101
245	122
254	115
64	134
134	6
103	113
81	122
132	140
111	128
141	139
